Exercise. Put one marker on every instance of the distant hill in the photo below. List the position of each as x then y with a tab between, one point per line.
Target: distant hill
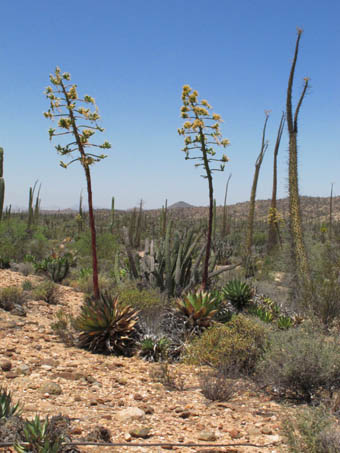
181	205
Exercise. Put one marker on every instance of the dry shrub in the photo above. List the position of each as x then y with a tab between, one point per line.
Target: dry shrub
215	386
300	362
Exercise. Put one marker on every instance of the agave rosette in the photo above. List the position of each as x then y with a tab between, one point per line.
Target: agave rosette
106	326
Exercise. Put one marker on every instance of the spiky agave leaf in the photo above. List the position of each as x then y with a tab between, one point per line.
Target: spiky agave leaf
7	409
38	438
238	293
106	326
199	307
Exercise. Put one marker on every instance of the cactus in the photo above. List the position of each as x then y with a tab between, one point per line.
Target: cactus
163	219
299	254
37	207
30	208
112	214
2	182
273	227
224	220
251	215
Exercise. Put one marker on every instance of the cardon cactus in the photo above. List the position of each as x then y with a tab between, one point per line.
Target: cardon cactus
2	182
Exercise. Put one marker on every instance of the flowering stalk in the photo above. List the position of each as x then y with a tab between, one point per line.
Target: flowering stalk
70	111
201	136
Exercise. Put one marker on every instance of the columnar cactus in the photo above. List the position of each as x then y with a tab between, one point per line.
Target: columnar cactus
2	182
299	254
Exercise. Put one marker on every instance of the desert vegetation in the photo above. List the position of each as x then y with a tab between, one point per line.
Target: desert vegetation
246	293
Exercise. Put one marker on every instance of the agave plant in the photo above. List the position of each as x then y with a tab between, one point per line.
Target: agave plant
7	409
199	307
106	326
153	348
39	440
238	293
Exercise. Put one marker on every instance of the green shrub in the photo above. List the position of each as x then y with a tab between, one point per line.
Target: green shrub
26	285
234	347
85	283
141	299
313	430
46	291
10	297
300	362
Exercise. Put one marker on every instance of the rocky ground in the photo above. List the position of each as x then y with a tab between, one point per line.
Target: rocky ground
123	395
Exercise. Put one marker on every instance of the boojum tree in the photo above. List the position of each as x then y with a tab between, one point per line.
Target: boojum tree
298	248
201	131
76	118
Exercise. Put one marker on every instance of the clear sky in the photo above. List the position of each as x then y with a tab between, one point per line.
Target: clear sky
134	56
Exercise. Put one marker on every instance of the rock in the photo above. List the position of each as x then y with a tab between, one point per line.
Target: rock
6	365
18	310
69	375
185	414
138	397
127	437
50	387
235	433
12	374
148	410
130	413
207	436
50	362
144	433
90	379
99	434
24	369
266	430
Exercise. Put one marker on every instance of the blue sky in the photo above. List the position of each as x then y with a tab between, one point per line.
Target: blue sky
134	57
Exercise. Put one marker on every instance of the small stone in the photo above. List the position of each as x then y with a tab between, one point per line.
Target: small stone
138	397
24	369
140	432
185	414
6	365
46	367
90	379
50	387
149	410
127	437
121	381
266	430
207	436
235	434
70	376
130	413
12	375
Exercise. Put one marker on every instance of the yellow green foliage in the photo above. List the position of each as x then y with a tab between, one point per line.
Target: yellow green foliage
235	345
140	299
